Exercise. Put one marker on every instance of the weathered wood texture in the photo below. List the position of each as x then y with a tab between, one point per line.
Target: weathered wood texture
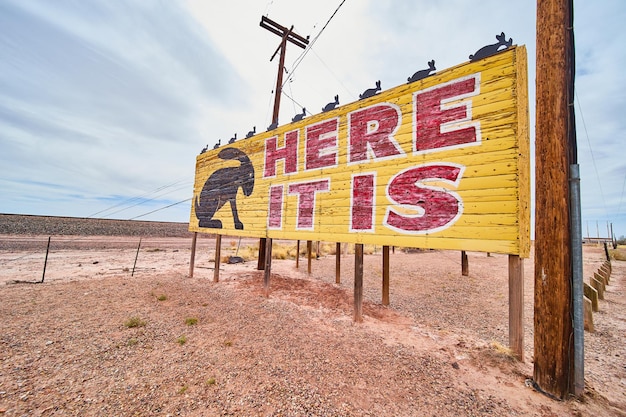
592	294
464	264
553	350
385	275
218	255
358	282
338	263
516	306
464	185
192	260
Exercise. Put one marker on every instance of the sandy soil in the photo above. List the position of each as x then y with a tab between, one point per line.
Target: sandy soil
203	348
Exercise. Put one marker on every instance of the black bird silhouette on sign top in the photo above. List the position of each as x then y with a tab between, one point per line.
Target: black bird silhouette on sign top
221	187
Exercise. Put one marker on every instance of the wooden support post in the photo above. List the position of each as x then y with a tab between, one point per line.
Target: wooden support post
358	283
134	264
261	261
598	286
600	279
592	294
298	254
268	268
385	275
464	264
553	346
338	263
309	250
45	262
192	260
516	306
218	256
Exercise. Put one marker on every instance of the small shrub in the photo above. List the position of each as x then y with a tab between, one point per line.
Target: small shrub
162	297
134	322
228	343
183	389
191	321
210	381
132	341
181	340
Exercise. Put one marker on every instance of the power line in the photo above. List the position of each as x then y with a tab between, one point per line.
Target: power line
136	198
162	208
310	45
593	159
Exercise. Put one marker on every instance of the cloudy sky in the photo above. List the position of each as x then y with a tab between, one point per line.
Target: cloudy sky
105	104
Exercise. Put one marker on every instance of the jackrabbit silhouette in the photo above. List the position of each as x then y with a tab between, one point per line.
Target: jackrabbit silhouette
217	145
222	186
489	50
204	149
272	126
251	133
300	116
421	74
370	91
331	105
233	139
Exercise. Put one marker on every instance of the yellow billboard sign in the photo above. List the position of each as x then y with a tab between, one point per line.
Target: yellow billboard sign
440	163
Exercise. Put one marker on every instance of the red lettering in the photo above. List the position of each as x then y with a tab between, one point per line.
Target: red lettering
307	193
288	153
275	216
371	132
434	208
362	204
321	144
442	125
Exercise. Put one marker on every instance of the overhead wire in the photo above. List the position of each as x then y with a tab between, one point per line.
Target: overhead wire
299	60
593	159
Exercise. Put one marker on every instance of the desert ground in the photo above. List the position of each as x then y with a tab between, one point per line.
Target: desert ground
119	328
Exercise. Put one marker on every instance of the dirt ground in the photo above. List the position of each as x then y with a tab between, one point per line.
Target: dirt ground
97	338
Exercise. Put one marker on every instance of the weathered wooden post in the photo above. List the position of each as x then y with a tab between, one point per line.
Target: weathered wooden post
298	254
516	306
553	347
218	255
309	250
193	254
464	264
385	275
338	263
358	282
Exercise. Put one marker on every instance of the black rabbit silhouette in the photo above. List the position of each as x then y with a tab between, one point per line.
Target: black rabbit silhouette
204	149
233	139
300	116
222	186
370	91
251	133
421	74
217	145
272	126
489	50
331	105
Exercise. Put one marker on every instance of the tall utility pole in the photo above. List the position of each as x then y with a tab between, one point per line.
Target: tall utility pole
557	365
287	35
